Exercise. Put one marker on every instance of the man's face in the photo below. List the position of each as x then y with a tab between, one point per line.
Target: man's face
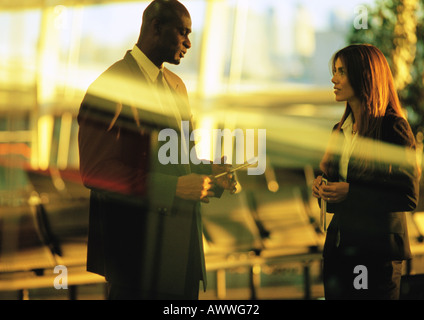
174	41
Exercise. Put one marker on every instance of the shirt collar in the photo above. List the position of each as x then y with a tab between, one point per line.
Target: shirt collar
348	124
145	64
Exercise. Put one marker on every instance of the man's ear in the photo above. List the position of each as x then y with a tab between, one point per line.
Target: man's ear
157	26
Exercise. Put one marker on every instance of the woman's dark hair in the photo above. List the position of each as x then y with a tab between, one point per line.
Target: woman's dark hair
371	79
372	82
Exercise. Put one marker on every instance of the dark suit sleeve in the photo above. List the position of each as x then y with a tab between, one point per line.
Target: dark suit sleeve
396	189
105	163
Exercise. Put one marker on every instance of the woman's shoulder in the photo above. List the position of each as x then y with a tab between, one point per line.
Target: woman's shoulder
396	129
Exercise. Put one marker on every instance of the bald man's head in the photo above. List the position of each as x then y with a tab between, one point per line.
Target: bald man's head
164	10
164	31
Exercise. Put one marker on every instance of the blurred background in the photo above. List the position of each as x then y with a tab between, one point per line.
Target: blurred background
253	65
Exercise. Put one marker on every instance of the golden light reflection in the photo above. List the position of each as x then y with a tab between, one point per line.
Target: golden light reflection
203	137
405	41
64	140
45	133
287	135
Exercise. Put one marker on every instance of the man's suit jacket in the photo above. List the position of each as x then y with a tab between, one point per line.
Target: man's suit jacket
371	221
140	234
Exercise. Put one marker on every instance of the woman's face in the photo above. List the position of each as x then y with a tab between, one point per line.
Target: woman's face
342	88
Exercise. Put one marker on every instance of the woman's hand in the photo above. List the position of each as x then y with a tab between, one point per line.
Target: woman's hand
316	187
333	192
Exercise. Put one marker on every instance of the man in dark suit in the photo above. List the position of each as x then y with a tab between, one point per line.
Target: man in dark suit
145	230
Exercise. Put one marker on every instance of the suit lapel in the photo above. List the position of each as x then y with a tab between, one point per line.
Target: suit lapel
140	77
184	110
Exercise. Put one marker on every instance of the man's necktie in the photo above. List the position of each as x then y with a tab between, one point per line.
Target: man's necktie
159	81
166	98
171	108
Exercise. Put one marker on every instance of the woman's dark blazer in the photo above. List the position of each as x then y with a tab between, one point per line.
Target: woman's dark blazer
371	220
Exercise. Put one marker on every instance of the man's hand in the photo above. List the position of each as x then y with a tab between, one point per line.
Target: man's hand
228	181
194	187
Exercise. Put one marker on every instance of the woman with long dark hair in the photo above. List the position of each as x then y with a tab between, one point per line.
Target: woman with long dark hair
372	175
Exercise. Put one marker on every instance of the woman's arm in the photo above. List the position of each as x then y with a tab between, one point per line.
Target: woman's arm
396	190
